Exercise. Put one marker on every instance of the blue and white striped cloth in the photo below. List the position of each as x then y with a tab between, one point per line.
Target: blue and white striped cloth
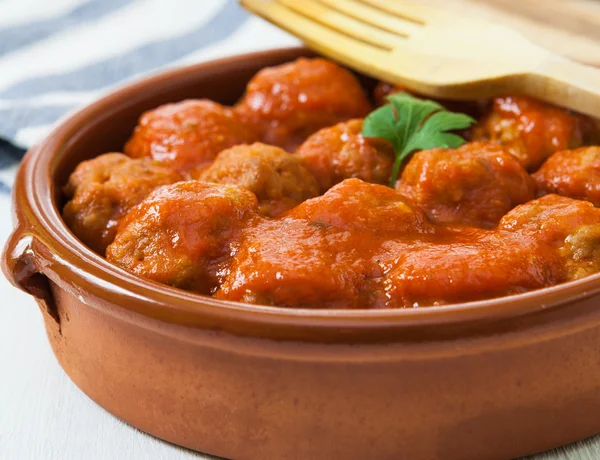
57	55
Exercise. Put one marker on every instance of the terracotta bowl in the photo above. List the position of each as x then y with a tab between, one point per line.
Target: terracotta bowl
483	380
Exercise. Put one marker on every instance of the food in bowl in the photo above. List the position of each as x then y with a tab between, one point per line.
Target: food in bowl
287	103
102	190
188	134
279	180
289	199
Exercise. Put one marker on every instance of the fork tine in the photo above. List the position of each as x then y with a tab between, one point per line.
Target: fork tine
334	44
408	10
374	16
333	19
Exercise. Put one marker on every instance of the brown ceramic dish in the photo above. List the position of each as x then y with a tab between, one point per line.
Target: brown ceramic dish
492	379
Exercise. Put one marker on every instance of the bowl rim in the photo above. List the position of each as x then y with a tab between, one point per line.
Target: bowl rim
68	258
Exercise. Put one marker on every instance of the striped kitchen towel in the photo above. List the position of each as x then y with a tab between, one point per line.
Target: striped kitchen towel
57	55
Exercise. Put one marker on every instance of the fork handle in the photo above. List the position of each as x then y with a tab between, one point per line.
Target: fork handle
568	84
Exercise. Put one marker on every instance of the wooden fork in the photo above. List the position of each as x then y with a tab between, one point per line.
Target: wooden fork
434	52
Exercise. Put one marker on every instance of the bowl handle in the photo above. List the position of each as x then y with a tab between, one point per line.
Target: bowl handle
22	268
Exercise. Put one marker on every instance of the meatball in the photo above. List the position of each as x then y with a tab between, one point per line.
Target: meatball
482	264
573	173
571	226
474	185
182	234
582	252
101	191
340	152
551	218
292	263
357	205
532	130
188	134
288	103
277	178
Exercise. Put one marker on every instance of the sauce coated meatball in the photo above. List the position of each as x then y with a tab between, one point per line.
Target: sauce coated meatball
277	178
188	134
102	190
360	206
183	233
340	152
288	103
479	264
532	130
475	184
573	173
571	226
293	263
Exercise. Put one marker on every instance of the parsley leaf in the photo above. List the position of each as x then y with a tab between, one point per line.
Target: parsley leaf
412	124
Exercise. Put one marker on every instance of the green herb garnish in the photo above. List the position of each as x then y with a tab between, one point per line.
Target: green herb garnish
414	124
